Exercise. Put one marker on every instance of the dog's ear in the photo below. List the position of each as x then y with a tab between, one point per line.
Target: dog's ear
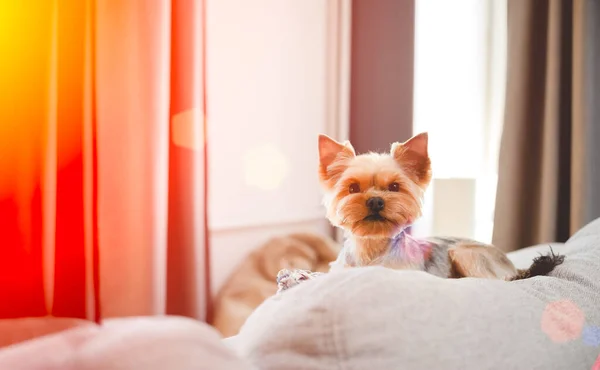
413	157
480	261
332	159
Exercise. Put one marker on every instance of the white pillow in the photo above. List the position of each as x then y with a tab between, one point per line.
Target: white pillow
377	318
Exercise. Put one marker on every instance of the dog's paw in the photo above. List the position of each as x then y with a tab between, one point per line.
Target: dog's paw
290	278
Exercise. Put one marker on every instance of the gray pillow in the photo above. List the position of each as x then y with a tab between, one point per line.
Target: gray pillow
376	318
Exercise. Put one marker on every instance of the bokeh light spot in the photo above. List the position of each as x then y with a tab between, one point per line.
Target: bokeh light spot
186	129
596	365
265	167
591	335
562	321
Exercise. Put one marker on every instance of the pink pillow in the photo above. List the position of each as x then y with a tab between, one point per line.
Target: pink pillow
150	343
18	330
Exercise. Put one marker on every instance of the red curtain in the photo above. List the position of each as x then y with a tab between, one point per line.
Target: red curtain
103	159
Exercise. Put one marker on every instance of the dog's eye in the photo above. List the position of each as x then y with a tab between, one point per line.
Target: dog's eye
394	186
354	188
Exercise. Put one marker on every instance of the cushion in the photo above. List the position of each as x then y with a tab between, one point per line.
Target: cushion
153	343
18	330
377	318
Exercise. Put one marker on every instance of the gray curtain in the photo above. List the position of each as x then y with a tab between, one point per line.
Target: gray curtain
549	166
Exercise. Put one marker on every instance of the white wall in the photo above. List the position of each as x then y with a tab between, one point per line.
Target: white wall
269	94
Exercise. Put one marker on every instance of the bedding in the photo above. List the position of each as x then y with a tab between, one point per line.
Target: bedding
367	318
146	343
377	318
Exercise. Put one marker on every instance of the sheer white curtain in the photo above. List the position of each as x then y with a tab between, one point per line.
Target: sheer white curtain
460	59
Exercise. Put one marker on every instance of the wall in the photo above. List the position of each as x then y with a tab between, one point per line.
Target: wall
272	85
381	93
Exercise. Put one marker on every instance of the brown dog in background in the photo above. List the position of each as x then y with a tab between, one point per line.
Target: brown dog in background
254	279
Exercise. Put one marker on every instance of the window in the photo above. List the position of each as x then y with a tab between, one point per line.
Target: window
460	61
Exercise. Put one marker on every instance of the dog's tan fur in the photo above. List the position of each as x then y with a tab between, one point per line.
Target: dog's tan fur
400	179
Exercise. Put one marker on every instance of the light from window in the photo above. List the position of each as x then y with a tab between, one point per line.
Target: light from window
459	94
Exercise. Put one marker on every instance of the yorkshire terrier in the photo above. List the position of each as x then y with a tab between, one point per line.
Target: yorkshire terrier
374	197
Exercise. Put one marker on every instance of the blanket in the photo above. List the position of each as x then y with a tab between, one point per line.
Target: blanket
255	279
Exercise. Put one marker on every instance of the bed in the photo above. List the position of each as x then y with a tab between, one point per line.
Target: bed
367	318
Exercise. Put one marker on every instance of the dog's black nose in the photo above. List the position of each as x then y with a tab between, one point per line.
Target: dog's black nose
375	204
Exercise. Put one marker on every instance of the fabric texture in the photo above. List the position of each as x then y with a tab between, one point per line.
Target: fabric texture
377	318
548	172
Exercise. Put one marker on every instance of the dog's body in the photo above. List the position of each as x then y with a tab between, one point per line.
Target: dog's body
443	257
374	197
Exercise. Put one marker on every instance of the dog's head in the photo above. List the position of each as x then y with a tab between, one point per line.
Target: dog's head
374	195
